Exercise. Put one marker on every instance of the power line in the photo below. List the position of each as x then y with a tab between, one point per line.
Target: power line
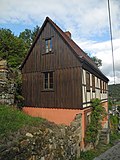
110	25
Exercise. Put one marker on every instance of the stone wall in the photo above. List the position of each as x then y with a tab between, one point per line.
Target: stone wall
6	85
47	142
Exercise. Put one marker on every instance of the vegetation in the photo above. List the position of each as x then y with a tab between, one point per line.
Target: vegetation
91	154
12	119
28	36
114	121
13	48
97	61
114	92
97	115
114	137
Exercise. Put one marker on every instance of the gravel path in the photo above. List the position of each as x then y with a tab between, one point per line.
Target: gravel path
111	154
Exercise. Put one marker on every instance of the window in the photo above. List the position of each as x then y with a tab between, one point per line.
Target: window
101	86
104	87
48	80
48	45
93	83
87	82
88	119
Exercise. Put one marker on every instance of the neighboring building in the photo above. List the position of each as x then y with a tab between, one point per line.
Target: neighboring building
59	79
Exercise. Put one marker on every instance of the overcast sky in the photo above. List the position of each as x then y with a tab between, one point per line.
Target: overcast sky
87	20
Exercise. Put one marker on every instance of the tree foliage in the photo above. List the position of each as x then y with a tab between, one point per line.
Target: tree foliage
11	48
97	115
97	61
28	36
114	121
114	91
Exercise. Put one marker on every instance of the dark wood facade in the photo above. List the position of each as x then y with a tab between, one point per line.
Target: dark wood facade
65	65
66	73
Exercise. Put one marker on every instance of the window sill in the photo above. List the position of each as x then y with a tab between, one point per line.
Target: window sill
48	90
50	52
88	90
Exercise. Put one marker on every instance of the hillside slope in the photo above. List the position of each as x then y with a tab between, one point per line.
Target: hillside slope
28	138
114	91
11	120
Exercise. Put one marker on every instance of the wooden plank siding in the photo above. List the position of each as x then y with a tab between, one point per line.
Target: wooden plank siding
69	65
64	95
67	91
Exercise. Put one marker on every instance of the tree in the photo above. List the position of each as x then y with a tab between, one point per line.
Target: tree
97	61
28	36
11	48
97	115
35	32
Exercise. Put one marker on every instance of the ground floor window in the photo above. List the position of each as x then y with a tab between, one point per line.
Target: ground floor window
48	80
88	119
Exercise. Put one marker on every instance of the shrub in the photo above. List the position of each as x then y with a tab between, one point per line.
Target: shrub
97	115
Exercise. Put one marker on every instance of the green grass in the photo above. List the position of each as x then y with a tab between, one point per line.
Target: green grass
114	137
12	120
91	154
118	103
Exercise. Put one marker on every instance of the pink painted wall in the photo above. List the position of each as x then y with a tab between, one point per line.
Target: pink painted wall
63	116
58	116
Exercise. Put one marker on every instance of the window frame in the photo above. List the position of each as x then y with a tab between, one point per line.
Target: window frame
48	81
48	45
88	118
101	86
104	88
87	81
93	83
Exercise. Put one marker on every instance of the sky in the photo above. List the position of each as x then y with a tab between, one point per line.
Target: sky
87	20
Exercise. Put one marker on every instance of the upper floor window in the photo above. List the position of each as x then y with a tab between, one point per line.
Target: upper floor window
48	45
93	83
104	87
48	80
87	81
101	85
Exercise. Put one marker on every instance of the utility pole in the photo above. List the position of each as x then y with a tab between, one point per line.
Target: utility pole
111	37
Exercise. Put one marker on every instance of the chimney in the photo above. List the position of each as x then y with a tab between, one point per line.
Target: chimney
68	34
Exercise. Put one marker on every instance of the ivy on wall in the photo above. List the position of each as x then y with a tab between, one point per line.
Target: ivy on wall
97	115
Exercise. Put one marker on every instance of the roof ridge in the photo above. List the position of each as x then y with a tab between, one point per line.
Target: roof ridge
76	45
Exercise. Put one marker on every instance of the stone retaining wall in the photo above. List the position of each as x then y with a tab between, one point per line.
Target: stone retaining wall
7	89
47	142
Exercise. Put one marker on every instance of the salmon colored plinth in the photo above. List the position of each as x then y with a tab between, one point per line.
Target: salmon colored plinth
58	116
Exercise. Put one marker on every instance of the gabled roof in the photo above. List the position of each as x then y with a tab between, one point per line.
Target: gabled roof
79	53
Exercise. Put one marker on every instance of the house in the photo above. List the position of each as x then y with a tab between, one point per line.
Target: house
59	79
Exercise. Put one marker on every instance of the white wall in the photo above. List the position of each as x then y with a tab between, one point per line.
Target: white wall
87	96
